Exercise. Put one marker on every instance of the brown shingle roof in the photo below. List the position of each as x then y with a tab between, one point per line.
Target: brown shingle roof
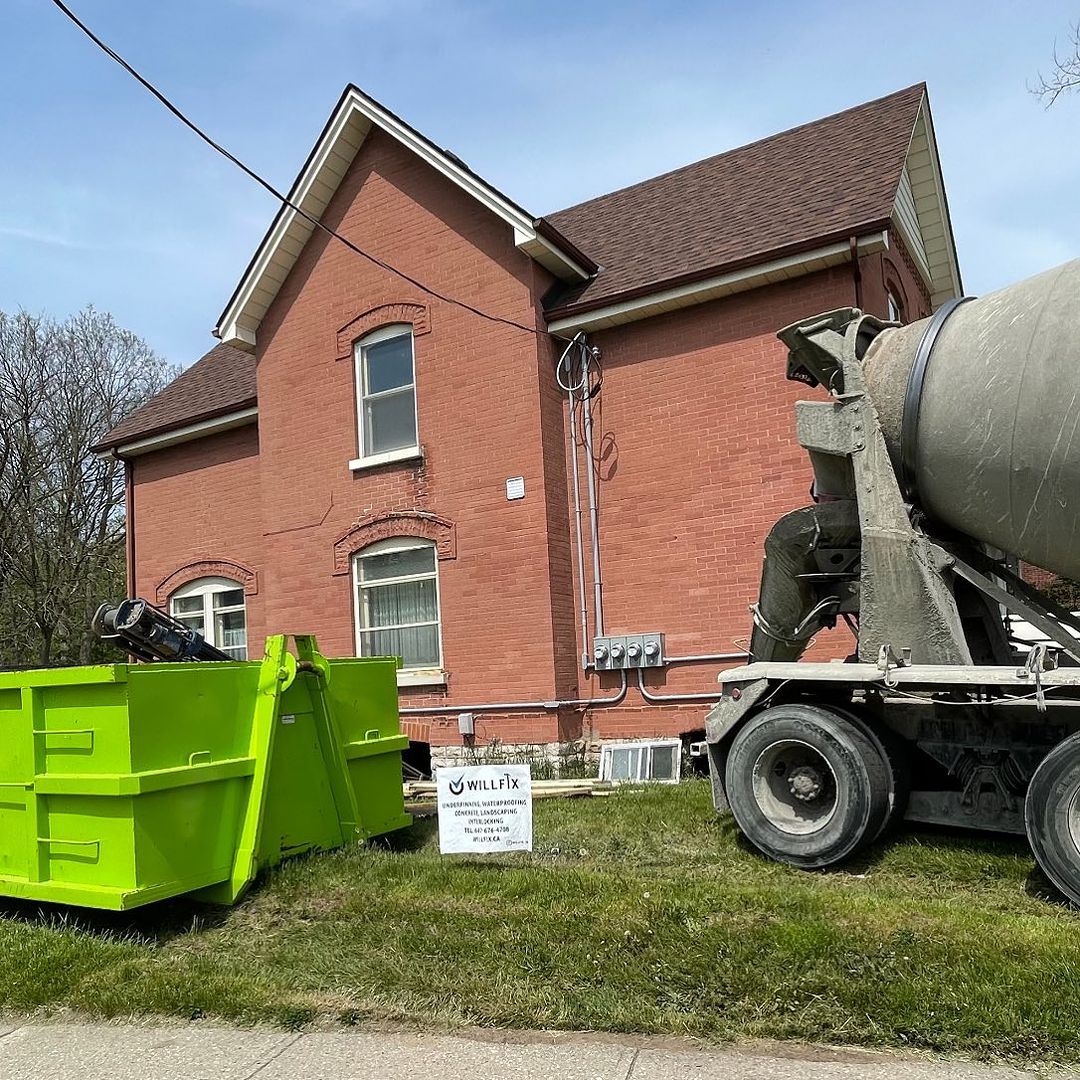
223	381
821	181
825	180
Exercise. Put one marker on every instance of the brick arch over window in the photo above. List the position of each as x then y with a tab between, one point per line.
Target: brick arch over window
406	311
200	568
439	531
894	283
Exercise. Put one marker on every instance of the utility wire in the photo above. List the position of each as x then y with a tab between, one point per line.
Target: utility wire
284	199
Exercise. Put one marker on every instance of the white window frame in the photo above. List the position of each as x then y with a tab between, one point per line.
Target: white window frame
208	588
646	746
893	307
404	453
407	676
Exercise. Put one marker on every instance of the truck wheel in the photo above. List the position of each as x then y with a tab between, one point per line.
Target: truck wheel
1052	816
895	754
808	786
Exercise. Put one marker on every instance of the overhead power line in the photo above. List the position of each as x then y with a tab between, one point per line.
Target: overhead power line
281	198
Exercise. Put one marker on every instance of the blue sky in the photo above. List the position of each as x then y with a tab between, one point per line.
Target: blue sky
105	199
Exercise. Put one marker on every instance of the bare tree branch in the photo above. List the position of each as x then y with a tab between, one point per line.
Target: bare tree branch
62	386
1064	76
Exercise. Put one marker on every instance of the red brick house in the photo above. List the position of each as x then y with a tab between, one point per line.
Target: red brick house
366	458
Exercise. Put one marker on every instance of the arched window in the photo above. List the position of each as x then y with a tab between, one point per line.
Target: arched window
214	606
386	395
397	602
895	308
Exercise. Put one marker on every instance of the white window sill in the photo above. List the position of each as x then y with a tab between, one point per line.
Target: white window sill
409	453
421	677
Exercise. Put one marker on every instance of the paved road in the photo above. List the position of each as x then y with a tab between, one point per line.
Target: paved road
61	1051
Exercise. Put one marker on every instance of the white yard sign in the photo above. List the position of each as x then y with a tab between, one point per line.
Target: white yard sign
485	808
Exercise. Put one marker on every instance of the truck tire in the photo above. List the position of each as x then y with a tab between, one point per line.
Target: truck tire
895	753
1052	816
808	785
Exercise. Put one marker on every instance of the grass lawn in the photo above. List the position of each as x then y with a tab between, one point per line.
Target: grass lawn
639	912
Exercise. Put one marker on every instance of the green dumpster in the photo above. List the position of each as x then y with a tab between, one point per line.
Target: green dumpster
129	783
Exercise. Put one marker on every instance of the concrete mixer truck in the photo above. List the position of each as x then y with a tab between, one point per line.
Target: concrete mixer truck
946	455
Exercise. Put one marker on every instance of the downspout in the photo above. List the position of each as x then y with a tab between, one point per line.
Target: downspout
129	524
856	270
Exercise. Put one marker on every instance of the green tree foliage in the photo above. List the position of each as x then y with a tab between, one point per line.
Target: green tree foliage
63	385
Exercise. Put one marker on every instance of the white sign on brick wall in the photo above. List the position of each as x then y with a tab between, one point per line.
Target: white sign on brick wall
484	808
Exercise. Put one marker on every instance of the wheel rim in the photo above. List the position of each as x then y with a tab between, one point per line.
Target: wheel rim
795	787
1072	819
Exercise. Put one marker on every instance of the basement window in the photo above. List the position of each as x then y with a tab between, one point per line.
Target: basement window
397	603
386	396
656	761
214	607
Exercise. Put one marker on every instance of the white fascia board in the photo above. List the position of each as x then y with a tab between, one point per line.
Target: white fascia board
548	255
525	235
187	433
524	227
699	292
228	329
940	290
935	164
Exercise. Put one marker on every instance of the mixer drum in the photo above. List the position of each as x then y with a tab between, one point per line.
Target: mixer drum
989	444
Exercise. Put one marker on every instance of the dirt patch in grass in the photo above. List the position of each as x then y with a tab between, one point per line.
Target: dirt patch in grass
641	912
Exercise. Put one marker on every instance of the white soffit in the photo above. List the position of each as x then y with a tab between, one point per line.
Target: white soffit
315	187
698	292
921	213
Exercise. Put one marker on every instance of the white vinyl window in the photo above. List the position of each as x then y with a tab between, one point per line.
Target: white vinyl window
386	395
397	602
896	313
214	607
658	760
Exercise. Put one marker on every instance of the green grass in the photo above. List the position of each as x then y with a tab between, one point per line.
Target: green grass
639	912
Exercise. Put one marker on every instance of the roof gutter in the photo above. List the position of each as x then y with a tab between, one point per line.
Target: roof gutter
644	303
548	231
160	440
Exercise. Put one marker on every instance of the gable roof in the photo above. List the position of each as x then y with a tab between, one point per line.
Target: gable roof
821	182
352	119
221	384
788	204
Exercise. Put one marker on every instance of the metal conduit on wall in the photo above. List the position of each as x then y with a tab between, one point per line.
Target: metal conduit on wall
707	657
574	384
661	699
570	387
615	699
520	706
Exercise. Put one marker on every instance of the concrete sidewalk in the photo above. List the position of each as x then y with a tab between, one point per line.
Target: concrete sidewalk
63	1051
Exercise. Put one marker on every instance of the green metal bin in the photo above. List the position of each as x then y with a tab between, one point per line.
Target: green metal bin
129	783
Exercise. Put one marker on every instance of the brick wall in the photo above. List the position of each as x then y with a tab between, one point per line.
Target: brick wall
694	430
478	393
197	507
699	460
894	271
